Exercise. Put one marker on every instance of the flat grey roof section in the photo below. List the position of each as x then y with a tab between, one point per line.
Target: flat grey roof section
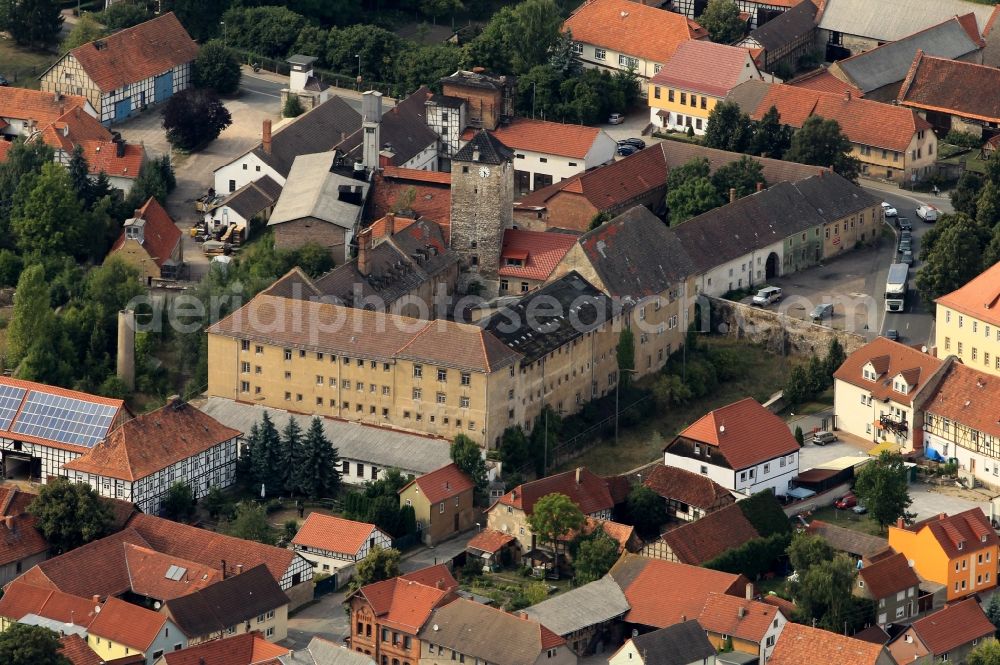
891	20
579	608
381	447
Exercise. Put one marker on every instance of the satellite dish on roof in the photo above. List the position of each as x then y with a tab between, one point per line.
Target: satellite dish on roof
157	605
97	609
435	627
722	429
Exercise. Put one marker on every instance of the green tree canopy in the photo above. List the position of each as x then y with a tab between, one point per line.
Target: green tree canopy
646	510
986	652
24	160
468	456
625	353
966	193
34	22
729	128
379	564
743	175
822	143
289	454
318	471
691	199
47	216
594	558
193	118
250	523
770	137
722	20
954	257
32	318
823	592
86	30
123	15
882	486
553	516
514	452
179	503
70	514
217	68
22	644
807	550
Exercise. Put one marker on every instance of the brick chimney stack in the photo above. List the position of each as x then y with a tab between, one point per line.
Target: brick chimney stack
266	136
364	247
390	224
732	194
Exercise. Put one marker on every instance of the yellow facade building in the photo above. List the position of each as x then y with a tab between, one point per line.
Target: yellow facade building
967	322
121	629
698	76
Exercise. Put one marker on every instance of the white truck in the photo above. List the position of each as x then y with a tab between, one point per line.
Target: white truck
895	287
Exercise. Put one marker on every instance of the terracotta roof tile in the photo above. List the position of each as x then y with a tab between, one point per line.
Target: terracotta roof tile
42	107
75	648
787	607
443	483
590	493
137	53
889	576
953	626
971	528
438	575
431	200
691	488
553	138
489	540
978	298
965	396
404	604
744	432
620	533
704	66
662	593
539	251
127	624
147	572
102	158
803	645
161	233
20	539
938	84
246	649
5	147
823	81
417	175
20	599
333	534
632	28
900	358
737	617
704	539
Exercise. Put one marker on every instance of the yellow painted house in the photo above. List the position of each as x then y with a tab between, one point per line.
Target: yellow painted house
967	323
122	629
697	77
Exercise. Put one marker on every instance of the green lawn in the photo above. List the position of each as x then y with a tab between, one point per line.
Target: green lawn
849	520
22	66
764	376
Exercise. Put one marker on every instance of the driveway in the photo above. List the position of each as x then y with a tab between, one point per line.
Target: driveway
930	500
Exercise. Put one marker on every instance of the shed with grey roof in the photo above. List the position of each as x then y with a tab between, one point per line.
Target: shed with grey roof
325	652
584	607
892	20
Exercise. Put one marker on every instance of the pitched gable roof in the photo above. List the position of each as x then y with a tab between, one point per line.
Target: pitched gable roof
970	528
744	433
787	27
129	625
489	540
705	66
821	79
20	599
939	84
333	534
966	395
889	576
160	234
19	539
889	359
538	251
892	20
442	484
148	572
804	645
75	648
431	199
587	490
737	617
404	604
687	487
953	626
438	575
42	107
681	644
403	129
153	441
137	53
704	539
585	606
846	540
252	198
554	138
632	28
246	649
489	148
979	297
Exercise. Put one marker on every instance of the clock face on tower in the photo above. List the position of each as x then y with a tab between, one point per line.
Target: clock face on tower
484	172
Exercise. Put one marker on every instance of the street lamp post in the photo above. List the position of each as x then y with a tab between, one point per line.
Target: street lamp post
358	56
618	382
225	33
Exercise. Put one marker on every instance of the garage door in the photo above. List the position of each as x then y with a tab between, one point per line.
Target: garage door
123	109
164	86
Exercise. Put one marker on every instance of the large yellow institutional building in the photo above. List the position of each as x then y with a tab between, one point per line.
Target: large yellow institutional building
967	322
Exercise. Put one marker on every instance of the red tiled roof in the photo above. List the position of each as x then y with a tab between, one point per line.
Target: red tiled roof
147	570
102	158
437	575
590	493
939	84
333	534
431	200
552	138
823	81
127	624
965	396
379	226
72	127
42	107
246	649
704	66
539	251
443	483
803	645
21	598
969	527
632	28
737	617
161	234
953	626
137	53
417	175
489	540
979	297
863	121
888	359
5	147
704	539
662	593
20	539
620	533
153	441
787	607
889	576
744	432
75	648
691	488
404	604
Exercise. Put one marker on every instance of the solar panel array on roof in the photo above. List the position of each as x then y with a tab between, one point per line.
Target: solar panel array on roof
64	419
10	400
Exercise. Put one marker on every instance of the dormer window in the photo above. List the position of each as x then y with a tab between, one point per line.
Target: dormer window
983	538
868	374
514	262
961	544
900	386
697	449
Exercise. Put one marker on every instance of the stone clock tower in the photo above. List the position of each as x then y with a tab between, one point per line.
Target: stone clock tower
482	206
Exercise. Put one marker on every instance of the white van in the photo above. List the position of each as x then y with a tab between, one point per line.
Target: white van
767	295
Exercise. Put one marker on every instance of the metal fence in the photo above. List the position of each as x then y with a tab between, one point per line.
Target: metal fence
331	78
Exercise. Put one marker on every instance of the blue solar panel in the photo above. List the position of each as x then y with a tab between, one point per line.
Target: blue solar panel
10	400
64	419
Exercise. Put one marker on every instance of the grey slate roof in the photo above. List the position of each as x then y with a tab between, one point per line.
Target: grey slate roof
253	197
398	265
848	540
319	129
381	447
636	255
889	63
544	320
786	27
491	149
588	605
678	153
891	20
325	652
403	128
680	644
312	190
227	603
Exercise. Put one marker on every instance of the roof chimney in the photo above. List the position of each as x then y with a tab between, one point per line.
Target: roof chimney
741	612
266	136
239	569
749	591
900	523
8	521
847	95
96	598
684	618
119	147
732	194
224	563
364	246
760	187
579	470
390	224
137	213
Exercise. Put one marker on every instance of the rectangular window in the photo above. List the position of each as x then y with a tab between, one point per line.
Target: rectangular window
441	398
656	92
670	95
600	54
442	375
684	98
416	394
418	371
463	402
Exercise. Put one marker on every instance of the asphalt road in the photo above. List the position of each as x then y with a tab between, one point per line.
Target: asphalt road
915	325
268	88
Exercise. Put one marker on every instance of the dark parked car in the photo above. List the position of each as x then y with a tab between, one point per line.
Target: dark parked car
3	82
637	143
626	150
905	224
892	334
